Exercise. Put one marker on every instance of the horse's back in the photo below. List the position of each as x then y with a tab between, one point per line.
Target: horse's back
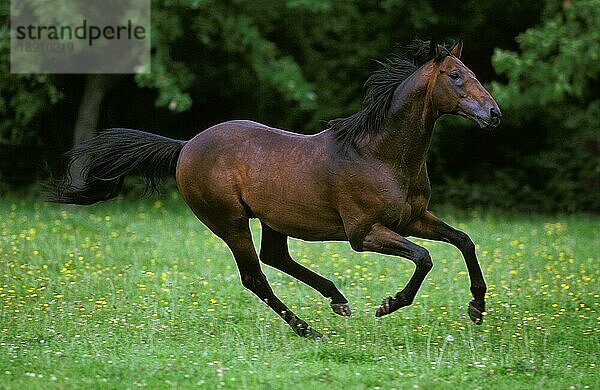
241	169
242	144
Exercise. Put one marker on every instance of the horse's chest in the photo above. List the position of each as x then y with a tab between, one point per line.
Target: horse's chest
413	206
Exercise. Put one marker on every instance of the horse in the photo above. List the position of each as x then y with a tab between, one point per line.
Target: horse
362	180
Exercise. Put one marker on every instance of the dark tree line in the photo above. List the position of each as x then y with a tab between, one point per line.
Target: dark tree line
298	63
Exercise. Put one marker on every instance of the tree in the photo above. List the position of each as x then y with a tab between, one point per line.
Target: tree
554	80
176	25
298	63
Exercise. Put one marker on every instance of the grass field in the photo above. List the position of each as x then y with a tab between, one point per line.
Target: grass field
141	294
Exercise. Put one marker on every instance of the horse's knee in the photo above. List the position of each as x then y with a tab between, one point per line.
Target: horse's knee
464	242
423	260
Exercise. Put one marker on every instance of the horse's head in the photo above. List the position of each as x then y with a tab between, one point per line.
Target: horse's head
456	90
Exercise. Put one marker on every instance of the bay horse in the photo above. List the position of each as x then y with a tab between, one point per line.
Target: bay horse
363	180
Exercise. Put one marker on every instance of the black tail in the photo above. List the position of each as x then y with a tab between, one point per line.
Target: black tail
101	164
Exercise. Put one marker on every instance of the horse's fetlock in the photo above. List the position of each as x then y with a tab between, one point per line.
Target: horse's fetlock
329	290
404	299
479	290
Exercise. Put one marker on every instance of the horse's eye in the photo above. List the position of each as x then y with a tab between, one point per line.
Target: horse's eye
454	75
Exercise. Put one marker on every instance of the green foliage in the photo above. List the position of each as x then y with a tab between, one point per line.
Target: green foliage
554	80
297	63
171	78
239	35
558	61
21	97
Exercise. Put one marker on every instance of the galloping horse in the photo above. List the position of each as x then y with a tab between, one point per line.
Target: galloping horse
362	180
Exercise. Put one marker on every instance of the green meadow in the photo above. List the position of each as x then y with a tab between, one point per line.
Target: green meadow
130	294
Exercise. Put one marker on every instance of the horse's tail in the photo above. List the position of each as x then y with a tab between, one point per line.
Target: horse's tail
101	164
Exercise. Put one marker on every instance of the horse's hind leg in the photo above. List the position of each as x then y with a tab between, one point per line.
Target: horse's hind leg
274	252
239	240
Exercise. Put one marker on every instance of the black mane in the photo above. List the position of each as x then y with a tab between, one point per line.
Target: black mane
380	87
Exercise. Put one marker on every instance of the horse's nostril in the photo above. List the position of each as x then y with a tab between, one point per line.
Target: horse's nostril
494	113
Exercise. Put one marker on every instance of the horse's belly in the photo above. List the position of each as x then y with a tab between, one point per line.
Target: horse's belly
306	219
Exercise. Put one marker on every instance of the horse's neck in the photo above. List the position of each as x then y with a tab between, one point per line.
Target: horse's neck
406	135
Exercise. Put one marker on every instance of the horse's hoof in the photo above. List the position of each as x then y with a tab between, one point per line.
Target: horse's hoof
302	329
385	307
309	333
312	334
475	314
342	309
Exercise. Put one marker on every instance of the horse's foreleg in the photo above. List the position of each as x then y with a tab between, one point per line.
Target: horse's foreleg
253	279
432	228
274	252
383	240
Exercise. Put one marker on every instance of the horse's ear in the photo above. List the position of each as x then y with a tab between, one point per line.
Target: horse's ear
434	49
456	50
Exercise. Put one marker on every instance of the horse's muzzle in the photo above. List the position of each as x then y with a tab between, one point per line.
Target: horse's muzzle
489	118
486	114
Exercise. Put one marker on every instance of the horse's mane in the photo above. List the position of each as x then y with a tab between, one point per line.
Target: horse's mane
380	87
